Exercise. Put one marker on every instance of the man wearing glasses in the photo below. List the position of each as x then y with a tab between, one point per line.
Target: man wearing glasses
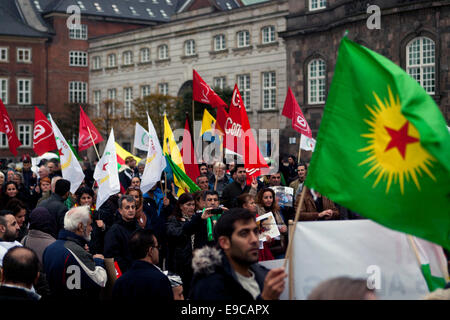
117	237
144	279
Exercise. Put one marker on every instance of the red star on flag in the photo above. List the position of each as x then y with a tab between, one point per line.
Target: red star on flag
400	139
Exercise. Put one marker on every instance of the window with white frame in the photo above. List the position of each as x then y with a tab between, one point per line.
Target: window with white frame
133	11
24	134
23	91
189	48
144	54
163	13
128	100
97	63
78	59
4	85
268	34
317	4
163	52
243	39
243	82
23	55
145	90
150	12
4	56
3	140
220	82
111	60
78	32
37	5
97	97
163	88
219	42
77	92
269	90
112	95
81	5
128	58
420	62
98	7
316	81
115	8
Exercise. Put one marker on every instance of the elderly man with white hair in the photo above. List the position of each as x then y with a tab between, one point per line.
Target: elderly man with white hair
72	272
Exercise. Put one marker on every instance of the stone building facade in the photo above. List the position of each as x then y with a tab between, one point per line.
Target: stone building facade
225	47
408	28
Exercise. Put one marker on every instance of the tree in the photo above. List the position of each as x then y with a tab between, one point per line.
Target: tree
156	105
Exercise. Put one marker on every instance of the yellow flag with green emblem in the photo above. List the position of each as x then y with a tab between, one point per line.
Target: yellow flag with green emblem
170	147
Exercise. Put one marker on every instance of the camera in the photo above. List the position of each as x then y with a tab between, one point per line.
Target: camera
216	211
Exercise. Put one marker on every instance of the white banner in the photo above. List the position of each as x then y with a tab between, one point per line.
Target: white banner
358	249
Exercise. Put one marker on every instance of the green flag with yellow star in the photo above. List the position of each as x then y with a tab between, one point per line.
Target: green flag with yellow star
383	148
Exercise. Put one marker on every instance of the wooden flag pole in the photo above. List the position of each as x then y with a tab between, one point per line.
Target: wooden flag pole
93	142
299	150
193	119
289	248
165	184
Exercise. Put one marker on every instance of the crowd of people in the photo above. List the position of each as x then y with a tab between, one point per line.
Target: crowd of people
200	246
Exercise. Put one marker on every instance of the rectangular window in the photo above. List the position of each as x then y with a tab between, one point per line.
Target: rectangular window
144	54
163	52
244	89
23	55
268	34
24	134
4	54
128	58
316	81
163	88
317	4
4	90
269	90
78	59
111	61
97	101
78	32
3	140
145	91
219	42
128	99
189	48
23	91
220	82
77	92
112	95
37	5
96	63
243	39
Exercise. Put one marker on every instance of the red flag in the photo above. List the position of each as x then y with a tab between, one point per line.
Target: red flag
84	138
291	110
239	136
188	154
43	137
7	128
203	93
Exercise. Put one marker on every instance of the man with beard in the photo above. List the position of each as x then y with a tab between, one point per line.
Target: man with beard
232	272
239	186
298	183
9	230
72	272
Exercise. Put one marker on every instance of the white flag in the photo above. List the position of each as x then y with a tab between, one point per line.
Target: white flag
70	167
140	138
307	144
106	173
155	163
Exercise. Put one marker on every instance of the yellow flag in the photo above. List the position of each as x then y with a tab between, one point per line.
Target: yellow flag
208	122
170	147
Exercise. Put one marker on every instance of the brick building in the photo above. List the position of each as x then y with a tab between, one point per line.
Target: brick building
43	63
415	34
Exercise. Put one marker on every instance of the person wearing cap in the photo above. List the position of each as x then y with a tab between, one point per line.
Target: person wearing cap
29	177
55	203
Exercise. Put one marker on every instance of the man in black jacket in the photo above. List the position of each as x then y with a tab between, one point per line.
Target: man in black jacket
232	273
55	203
116	238
144	280
238	187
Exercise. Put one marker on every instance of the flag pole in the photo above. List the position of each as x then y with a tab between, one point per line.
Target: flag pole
93	142
299	150
193	120
165	184
289	248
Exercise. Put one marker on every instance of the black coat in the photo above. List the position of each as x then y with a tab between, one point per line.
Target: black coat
214	278
231	192
116	243
55	205
17	294
143	281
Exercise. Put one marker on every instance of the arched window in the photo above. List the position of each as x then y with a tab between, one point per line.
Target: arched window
316	81
420	62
